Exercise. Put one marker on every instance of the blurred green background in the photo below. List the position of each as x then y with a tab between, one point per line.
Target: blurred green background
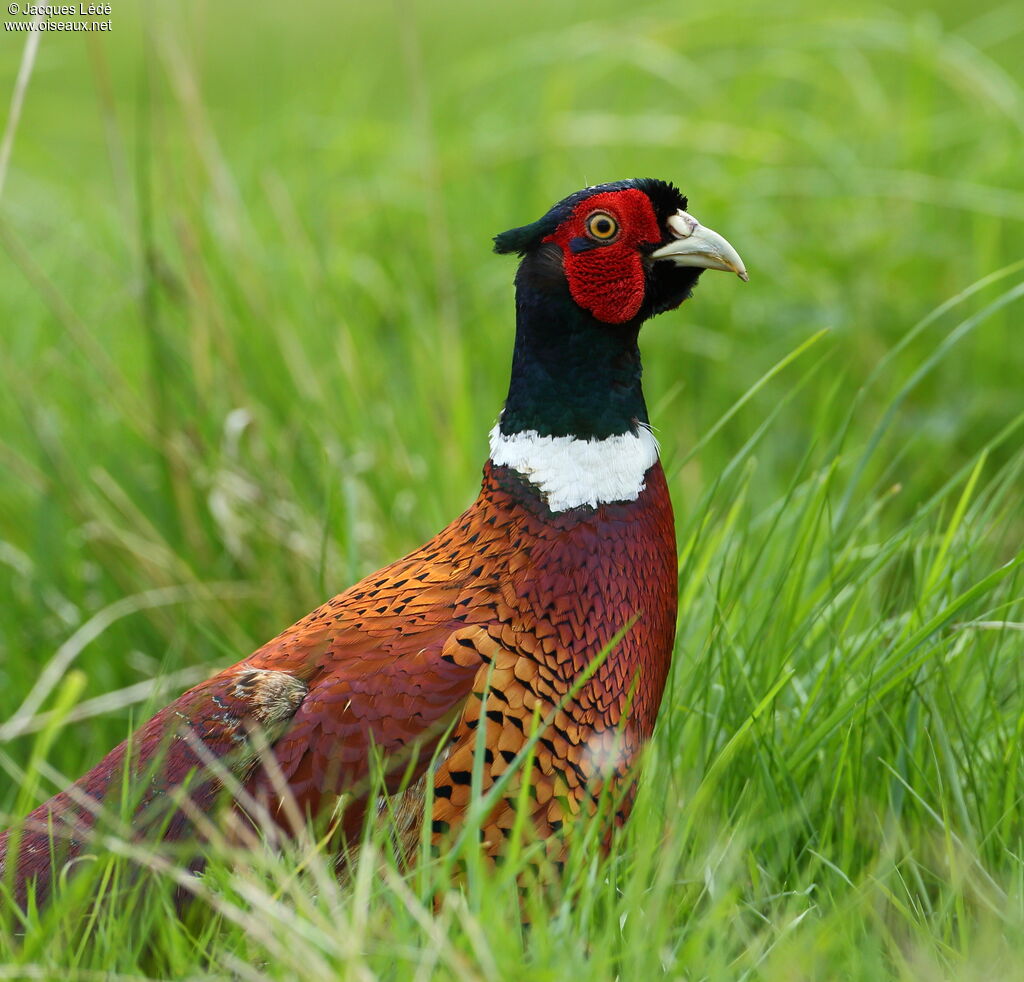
253	336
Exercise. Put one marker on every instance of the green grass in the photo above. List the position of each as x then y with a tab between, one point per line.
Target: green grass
253	340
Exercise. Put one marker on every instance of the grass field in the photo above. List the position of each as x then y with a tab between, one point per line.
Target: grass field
253	340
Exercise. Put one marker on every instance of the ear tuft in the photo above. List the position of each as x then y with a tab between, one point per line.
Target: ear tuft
522	239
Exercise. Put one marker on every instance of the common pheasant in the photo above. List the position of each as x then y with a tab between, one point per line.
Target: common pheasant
544	614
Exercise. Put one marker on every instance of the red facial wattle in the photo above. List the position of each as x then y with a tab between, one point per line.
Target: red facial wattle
607	278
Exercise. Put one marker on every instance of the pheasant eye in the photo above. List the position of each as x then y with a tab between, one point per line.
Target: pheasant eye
601	226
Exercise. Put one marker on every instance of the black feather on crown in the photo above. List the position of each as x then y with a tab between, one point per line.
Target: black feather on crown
666	198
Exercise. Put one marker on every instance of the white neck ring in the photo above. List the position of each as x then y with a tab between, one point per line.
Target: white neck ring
570	472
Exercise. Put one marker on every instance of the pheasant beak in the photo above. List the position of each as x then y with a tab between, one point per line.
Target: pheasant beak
695	245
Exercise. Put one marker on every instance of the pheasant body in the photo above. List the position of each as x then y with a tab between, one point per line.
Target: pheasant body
543	616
